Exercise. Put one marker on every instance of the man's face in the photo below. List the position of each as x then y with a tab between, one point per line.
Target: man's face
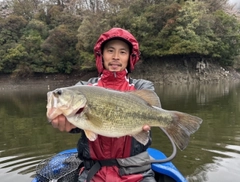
115	55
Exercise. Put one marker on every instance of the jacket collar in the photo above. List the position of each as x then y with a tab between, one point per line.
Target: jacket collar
114	76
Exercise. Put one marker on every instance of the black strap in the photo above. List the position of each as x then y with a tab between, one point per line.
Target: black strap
97	166
75	179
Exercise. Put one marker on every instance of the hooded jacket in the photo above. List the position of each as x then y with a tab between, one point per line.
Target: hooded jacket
117	33
110	148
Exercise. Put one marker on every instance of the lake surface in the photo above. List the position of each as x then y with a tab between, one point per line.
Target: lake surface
213	153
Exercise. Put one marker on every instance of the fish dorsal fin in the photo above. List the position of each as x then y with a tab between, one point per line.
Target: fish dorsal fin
149	96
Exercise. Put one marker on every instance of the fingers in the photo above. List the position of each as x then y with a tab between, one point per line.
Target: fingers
69	126
62	123
146	127
55	122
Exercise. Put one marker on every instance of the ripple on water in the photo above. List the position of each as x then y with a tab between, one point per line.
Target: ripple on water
21	168
224	167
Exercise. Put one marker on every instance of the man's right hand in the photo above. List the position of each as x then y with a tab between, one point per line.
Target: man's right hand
62	123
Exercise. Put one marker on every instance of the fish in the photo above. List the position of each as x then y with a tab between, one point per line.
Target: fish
111	113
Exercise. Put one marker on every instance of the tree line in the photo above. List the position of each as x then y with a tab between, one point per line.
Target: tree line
58	36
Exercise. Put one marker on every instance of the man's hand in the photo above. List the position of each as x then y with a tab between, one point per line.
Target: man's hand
62	123
146	128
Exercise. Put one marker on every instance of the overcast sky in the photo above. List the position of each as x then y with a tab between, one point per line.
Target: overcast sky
234	1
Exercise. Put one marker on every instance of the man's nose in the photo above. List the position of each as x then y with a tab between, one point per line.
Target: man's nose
116	55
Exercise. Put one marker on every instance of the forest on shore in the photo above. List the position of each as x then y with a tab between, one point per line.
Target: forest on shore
58	36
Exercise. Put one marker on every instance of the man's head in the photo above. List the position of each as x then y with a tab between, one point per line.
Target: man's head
118	48
115	54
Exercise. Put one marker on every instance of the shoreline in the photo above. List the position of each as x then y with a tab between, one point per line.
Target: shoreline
42	81
159	72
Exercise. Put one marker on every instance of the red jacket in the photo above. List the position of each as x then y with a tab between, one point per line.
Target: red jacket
110	148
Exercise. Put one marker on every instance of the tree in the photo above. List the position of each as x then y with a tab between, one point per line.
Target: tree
226	29
25	8
60	49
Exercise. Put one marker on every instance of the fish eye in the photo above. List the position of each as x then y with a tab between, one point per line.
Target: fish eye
59	92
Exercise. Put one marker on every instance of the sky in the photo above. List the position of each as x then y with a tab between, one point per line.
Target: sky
234	1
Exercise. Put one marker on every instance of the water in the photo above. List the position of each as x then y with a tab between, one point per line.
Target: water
213	153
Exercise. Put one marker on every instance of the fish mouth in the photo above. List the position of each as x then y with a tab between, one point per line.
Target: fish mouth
68	107
53	112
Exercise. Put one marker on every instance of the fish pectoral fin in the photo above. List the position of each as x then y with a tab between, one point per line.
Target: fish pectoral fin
142	137
90	135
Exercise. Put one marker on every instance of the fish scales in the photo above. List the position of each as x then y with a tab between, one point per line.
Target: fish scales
111	110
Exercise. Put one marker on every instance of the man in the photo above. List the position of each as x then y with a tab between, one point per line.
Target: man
116	53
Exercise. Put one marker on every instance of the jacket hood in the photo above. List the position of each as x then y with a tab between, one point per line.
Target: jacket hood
117	33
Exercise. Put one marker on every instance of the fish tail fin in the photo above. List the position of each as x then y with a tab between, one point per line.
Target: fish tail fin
182	126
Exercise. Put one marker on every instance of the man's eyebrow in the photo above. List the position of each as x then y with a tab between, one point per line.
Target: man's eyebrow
112	47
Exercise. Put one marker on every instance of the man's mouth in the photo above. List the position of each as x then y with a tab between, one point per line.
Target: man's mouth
115	65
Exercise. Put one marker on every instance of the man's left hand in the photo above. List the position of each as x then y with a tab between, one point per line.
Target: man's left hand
146	128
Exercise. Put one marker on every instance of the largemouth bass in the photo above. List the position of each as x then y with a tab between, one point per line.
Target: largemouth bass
111	113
